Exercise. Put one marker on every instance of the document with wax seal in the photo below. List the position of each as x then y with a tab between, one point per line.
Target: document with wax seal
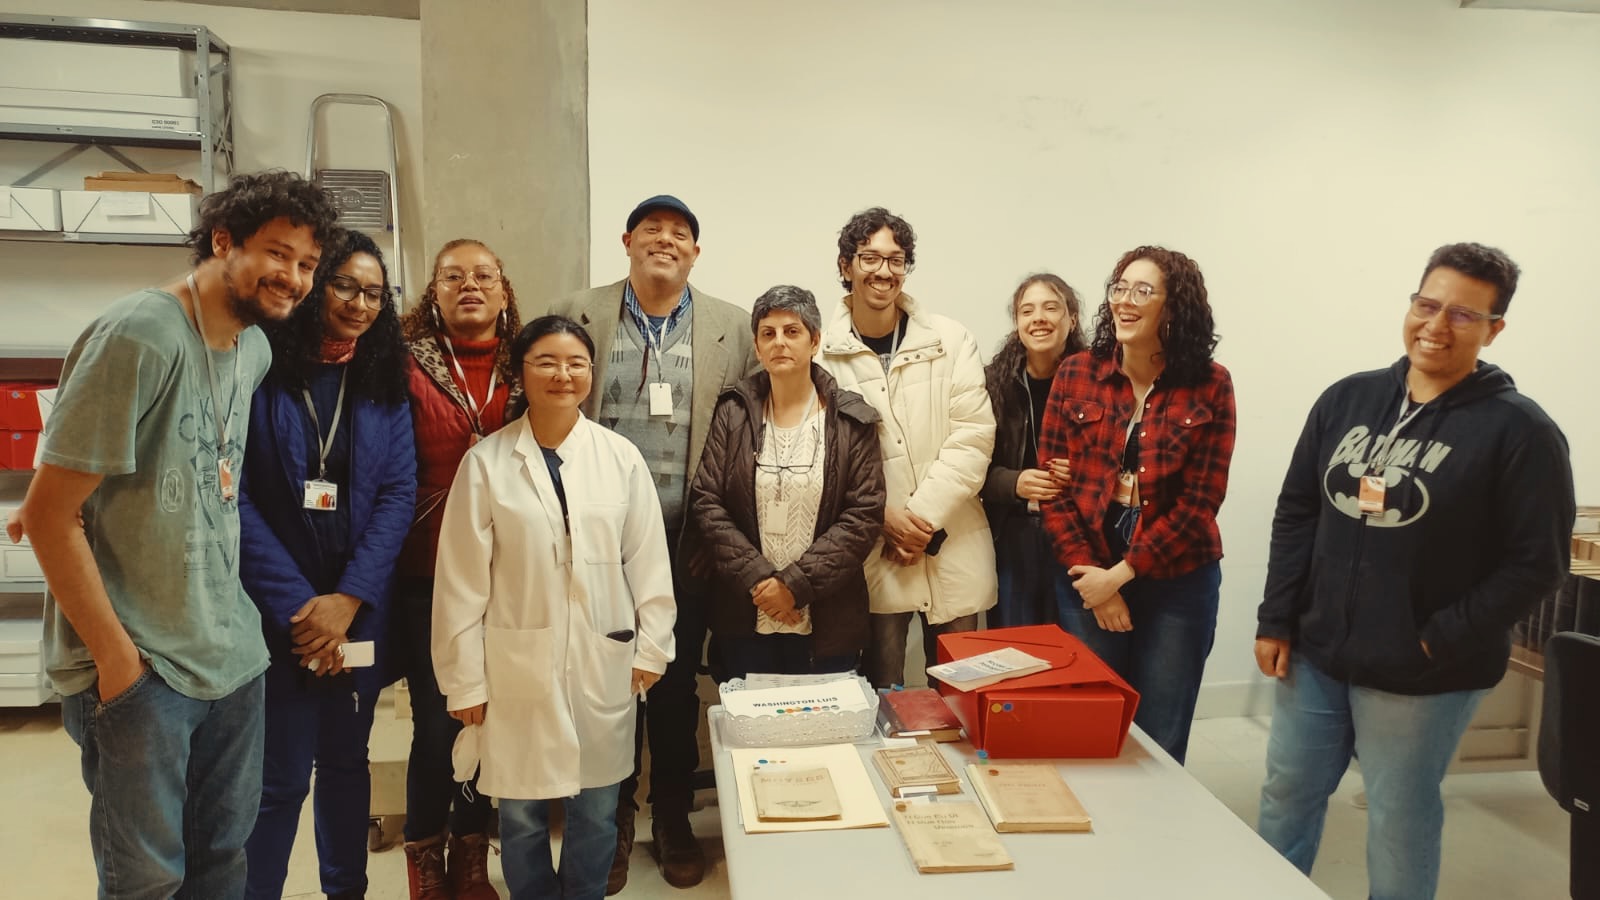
985	669
794	794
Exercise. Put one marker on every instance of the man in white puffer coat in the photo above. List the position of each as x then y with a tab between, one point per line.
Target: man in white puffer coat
922	373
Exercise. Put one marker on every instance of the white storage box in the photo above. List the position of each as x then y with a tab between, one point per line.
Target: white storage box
149	104
25	690
72	66
804	724
97	118
21	643
29	209
127	212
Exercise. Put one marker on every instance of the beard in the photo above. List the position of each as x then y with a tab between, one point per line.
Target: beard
250	309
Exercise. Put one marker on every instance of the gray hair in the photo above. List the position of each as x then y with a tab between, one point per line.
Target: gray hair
790	299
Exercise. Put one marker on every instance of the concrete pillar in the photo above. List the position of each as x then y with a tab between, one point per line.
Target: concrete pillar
505	139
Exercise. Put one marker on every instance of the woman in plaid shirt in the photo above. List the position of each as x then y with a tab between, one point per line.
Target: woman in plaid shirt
1145	420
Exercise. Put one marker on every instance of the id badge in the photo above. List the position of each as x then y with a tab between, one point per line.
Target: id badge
660	398
225	478
322	495
1124	492
777	523
1369	500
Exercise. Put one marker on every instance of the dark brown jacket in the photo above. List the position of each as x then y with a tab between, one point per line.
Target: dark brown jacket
828	578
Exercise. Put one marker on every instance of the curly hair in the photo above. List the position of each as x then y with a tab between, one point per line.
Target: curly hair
1188	334
1487	264
426	321
378	371
860	229
1011	358
252	200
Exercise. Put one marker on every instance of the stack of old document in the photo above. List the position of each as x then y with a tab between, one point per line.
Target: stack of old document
796	788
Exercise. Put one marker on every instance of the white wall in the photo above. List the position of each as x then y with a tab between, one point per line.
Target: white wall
281	62
1309	155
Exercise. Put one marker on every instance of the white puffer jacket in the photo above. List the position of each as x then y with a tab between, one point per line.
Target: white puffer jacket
937	434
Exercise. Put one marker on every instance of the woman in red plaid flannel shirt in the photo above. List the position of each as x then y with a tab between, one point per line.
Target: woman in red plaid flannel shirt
1145	420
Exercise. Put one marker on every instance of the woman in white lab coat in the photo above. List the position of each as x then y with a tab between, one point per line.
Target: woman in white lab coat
553	609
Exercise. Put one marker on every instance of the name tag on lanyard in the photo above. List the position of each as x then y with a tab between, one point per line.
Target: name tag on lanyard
1369	498
660	398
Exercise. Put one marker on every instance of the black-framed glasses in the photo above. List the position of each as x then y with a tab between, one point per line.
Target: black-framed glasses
455	278
872	262
348	289
1136	292
1458	316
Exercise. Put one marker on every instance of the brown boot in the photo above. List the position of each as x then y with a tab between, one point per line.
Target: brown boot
678	854
618	879
469	868
425	869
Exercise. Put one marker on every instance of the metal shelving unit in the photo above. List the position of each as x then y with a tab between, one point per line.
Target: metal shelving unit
213	93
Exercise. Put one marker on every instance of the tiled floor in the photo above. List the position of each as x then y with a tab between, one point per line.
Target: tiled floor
1504	837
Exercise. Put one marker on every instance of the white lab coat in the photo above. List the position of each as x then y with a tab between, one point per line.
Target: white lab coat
520	614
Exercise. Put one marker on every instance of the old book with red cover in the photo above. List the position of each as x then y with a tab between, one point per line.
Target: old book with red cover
919	711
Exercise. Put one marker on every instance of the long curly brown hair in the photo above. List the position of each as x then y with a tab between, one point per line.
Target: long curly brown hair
1188	336
426	321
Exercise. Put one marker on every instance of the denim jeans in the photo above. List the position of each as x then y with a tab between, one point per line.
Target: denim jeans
433	798
886	656
1164	656
313	723
1405	743
174	784
672	715
781	654
1031	580
588	841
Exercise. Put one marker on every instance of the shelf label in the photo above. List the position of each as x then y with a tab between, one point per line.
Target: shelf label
125	203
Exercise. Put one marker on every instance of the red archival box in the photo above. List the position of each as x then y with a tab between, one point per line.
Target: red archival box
1078	708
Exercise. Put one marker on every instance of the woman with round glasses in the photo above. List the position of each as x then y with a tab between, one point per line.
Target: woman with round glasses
1146	421
554	610
326	495
789	497
461	382
1044	316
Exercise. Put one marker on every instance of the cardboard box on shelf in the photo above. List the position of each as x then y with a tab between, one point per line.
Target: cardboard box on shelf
149	182
1079	708
75	66
127	212
29	209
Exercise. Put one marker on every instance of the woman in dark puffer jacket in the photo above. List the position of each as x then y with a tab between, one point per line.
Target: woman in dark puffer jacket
789	496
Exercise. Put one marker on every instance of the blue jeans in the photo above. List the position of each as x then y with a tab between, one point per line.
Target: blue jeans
174	784
1031	580
588	841
311	722
781	654
433	798
1405	743
1164	656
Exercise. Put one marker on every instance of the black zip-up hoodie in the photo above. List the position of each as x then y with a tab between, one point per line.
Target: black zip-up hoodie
1476	528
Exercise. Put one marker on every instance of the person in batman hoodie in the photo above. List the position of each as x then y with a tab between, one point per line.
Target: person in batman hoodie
1427	507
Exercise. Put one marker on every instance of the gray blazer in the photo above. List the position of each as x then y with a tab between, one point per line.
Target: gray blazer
724	352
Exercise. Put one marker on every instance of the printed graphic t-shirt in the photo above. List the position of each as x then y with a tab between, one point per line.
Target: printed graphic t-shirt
136	406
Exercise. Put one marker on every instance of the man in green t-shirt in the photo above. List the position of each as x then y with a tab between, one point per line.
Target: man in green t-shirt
133	515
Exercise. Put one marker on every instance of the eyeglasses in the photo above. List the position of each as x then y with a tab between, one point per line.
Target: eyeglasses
547	368
872	262
1458	316
455	278
1138	293
347	289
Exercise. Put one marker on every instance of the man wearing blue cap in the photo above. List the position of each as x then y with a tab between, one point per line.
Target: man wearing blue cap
664	351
